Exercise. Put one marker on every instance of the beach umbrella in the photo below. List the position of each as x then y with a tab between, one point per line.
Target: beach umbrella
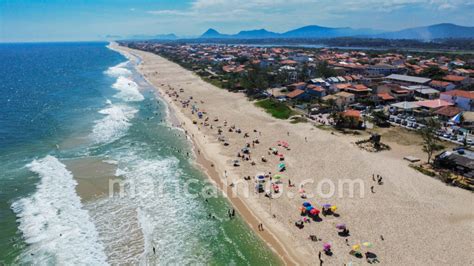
309	208
314	211
327	206
277	176
281	165
333	208
367	244
356	247
341	226
326	246
303	209
306	204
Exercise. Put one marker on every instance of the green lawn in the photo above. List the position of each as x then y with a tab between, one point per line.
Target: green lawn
276	109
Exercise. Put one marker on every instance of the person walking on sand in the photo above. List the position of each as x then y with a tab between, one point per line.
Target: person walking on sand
372	189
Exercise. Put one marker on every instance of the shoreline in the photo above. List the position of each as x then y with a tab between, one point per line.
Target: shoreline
405	193
205	165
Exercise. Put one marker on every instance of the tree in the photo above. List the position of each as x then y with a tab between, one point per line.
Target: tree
430	141
433	72
323	70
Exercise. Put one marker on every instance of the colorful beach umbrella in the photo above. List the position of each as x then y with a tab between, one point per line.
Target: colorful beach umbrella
326	246
327	206
356	247
367	244
314	211
341	226
309	208
306	204
333	208
277	176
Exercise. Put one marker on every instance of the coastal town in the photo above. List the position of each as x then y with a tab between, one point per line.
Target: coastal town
351	89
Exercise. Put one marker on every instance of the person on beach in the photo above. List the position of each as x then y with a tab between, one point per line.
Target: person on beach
372	189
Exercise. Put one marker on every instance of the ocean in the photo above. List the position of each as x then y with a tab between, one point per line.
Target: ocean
77	123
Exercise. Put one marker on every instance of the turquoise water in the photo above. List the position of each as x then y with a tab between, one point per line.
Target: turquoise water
79	112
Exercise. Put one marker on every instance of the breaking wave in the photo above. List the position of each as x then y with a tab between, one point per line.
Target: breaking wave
54	224
118	70
128	90
115	124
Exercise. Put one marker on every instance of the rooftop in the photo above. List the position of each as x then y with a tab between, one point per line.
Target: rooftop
406	78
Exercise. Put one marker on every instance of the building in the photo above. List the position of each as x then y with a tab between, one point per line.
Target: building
462	99
459	81
315	91
382	70
442	85
296	94
407	80
459	162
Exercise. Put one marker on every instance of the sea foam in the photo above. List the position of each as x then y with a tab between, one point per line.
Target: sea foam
128	90
54	224
115	123
119	70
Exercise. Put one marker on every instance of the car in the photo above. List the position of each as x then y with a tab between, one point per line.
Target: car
470	142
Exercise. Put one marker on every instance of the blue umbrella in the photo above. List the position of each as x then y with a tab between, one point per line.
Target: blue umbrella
306	204
457	118
309	208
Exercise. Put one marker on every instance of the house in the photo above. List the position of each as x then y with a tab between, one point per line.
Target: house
297	86
447	112
384	98
442	85
296	94
462	99
344	99
458	80
315	91
382	70
462	163
424	92
407	80
432	105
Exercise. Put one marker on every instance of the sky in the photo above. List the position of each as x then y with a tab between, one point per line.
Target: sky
88	20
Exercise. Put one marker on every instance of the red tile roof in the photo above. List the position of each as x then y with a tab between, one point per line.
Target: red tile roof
385	96
315	88
295	93
437	103
351	113
439	83
448	111
460	93
454	78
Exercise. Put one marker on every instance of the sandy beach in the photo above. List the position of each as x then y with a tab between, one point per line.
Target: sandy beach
410	219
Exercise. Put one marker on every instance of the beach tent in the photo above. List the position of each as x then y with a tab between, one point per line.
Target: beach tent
457	118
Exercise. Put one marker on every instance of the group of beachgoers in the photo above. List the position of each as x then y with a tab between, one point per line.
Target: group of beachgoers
309	212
